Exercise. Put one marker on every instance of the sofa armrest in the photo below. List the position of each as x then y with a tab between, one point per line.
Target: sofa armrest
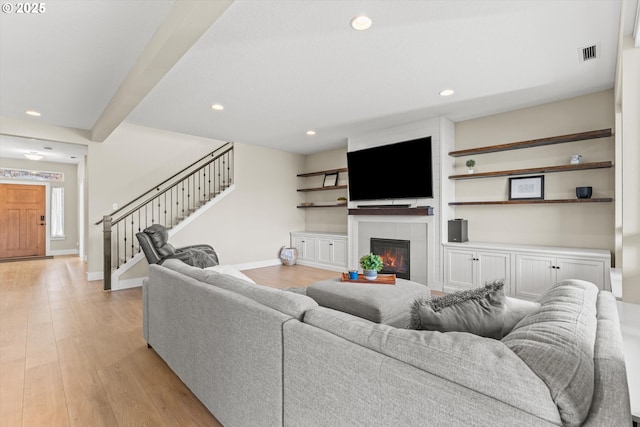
610	404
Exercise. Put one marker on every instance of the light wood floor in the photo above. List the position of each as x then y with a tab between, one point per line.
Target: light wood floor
73	355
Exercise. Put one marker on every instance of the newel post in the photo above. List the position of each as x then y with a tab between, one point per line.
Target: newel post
106	239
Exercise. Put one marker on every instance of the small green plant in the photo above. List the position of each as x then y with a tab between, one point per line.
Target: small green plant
371	262
471	163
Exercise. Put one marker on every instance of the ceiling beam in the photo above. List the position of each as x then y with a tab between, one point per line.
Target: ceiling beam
187	21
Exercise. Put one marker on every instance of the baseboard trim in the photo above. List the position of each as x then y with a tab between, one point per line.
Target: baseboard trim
127	284
64	252
93	276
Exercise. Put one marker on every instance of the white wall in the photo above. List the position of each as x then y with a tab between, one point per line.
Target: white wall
580	225
249	225
630	147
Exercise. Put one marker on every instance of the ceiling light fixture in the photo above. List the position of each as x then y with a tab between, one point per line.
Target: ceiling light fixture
217	107
33	113
447	92
311	132
361	23
33	156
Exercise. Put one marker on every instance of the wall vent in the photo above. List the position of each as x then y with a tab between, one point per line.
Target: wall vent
588	53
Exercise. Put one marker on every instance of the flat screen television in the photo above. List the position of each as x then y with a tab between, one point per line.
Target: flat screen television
395	171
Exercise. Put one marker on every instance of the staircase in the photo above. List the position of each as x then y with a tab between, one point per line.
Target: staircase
171	203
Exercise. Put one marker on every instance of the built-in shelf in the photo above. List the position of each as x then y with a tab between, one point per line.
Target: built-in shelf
304	175
322	205
529	171
594	134
422	211
532	202
334	187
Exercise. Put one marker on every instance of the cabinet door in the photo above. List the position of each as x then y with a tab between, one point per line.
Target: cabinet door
534	275
591	271
459	269
306	247
325	251
494	266
340	252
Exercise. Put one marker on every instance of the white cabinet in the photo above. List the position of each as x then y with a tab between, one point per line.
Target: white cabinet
322	250
528	270
536	273
307	247
467	268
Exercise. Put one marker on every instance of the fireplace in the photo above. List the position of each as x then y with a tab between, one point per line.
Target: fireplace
395	256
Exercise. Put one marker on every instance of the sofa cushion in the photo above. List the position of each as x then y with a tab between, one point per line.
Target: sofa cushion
557	343
479	311
386	304
295	305
231	271
187	270
476	363
515	310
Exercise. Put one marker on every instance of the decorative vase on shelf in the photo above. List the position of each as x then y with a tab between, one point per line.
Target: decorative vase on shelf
584	192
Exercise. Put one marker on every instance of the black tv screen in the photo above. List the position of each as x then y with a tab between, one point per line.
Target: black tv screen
395	171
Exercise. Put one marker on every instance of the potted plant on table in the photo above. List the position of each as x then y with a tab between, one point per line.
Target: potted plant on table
371	264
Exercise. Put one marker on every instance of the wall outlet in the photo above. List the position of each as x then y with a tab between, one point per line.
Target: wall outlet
115	206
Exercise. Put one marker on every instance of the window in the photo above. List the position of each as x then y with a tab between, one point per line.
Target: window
57	212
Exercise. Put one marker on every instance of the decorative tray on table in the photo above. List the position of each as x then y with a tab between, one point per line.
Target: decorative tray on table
382	279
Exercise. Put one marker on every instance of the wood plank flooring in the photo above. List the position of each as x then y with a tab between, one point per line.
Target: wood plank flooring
73	355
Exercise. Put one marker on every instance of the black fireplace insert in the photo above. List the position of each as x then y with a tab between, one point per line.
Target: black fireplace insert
395	256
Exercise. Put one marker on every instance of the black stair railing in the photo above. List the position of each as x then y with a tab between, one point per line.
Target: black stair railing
167	203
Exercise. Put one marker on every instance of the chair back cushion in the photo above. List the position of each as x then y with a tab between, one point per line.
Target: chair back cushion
160	240
147	247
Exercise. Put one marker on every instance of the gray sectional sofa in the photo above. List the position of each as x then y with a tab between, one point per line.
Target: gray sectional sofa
257	356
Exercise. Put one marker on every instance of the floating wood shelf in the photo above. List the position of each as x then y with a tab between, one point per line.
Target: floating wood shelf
333	187
335	205
392	211
594	134
532	202
304	175
529	171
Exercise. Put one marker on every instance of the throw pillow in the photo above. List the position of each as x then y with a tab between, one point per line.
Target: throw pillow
478	311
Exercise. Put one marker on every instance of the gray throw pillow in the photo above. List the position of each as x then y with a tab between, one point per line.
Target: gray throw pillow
479	311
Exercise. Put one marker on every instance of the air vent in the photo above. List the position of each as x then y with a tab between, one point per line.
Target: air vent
588	53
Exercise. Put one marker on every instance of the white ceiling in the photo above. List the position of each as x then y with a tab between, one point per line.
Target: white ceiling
282	67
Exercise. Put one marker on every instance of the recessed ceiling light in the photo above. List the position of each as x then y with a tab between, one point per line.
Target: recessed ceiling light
361	23
33	113
447	92
217	107
311	132
33	156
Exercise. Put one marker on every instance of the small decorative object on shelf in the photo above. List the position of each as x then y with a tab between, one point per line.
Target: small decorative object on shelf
576	159
330	179
371	264
470	164
584	192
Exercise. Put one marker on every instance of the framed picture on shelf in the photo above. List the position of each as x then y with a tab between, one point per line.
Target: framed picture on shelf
330	180
527	188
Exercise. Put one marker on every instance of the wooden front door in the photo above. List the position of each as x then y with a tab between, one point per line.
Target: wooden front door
22	220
